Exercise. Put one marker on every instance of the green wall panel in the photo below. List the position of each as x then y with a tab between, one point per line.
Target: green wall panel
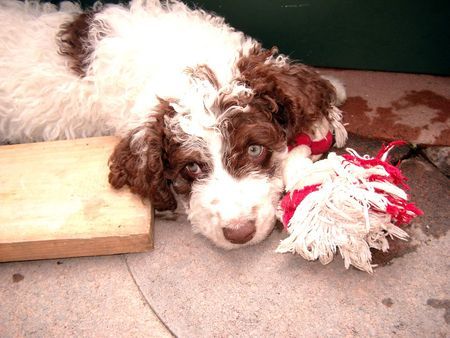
395	35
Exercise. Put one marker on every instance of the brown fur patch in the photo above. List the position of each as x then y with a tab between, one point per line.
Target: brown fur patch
140	164
203	72
73	40
153	161
296	94
178	157
252	128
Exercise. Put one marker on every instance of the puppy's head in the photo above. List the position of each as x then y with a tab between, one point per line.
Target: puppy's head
220	149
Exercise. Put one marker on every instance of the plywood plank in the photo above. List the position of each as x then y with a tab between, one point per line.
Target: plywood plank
55	201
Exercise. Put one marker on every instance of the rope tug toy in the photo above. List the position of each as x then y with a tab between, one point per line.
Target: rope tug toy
347	202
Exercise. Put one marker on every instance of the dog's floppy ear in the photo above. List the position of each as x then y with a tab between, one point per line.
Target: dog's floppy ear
300	94
137	161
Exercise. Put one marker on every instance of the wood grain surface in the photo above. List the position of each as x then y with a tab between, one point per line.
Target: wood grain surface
55	201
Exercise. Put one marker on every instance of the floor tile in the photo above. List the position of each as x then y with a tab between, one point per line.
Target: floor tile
82	297
199	290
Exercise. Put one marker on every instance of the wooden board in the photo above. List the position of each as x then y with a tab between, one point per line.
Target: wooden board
55	201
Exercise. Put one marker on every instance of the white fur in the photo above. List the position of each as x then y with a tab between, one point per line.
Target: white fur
146	52
145	56
141	52
222	200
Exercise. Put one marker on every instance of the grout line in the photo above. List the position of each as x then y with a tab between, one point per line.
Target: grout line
145	298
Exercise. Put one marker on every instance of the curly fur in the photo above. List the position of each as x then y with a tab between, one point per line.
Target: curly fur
181	88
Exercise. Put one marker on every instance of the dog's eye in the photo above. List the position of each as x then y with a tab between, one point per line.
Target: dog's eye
255	150
193	170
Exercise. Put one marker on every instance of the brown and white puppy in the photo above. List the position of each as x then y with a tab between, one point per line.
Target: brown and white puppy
204	112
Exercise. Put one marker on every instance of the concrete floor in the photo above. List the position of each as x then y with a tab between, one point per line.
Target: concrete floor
188	288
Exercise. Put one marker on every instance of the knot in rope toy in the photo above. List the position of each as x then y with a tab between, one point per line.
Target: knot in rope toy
347	202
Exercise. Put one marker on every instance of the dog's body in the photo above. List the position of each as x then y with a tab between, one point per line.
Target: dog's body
204	112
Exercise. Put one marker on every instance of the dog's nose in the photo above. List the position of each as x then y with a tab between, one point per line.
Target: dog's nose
240	234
